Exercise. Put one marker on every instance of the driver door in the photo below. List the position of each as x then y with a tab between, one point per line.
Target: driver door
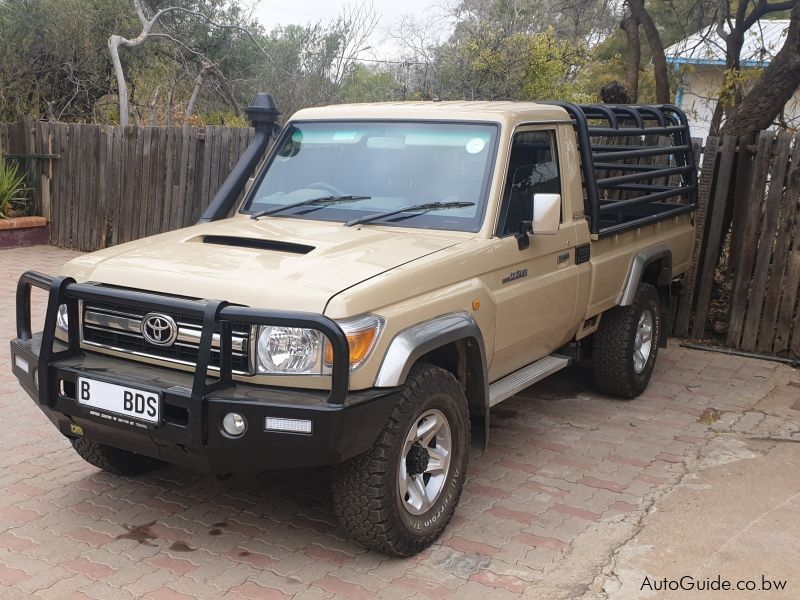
535	290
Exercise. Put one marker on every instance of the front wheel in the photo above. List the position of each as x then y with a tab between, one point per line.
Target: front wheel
626	345
398	496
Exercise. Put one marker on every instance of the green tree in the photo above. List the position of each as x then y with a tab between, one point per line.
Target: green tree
54	61
365	84
485	64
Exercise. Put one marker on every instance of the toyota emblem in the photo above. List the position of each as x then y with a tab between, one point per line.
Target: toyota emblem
158	329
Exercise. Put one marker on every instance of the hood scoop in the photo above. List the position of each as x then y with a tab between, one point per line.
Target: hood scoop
257	244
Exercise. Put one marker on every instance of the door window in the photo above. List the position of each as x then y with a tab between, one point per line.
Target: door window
532	169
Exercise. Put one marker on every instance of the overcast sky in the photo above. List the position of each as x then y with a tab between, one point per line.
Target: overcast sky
284	12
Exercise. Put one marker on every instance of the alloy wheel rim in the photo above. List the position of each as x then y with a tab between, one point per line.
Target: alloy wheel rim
643	343
424	462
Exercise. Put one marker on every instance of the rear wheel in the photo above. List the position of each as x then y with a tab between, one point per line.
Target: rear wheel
114	460
398	497
626	345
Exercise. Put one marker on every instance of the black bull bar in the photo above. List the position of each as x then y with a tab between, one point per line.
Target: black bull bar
217	317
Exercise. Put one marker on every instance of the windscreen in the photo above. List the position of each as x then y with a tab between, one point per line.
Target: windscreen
387	166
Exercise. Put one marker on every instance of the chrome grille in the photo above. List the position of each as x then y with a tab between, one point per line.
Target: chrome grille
120	328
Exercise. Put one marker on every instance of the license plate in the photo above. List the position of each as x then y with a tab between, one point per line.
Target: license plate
137	404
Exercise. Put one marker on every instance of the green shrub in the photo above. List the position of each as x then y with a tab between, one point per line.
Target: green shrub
12	188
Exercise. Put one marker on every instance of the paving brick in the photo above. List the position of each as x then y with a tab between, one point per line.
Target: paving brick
232	577
100	590
257	560
10	576
149	583
14	542
165	593
536	541
434	575
252	591
624	506
287	584
604	484
344	588
516	515
411	587
311	570
93	538
211	569
370	581
493	580
472	547
92	570
44	579
32	566
176	566
66	588
572	511
29	491
322	553
476	489
15	514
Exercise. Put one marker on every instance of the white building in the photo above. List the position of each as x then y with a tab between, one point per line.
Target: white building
700	61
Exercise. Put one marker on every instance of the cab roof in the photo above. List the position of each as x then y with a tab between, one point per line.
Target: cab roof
498	111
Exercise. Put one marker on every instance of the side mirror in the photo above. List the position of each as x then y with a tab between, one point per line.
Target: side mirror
545	218
546	213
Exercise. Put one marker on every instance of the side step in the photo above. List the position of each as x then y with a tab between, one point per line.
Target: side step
517	381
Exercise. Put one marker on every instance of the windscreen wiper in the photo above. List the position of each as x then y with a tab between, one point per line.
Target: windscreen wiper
418	208
321	201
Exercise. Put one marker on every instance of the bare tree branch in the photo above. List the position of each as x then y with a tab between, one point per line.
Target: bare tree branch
115	41
198	83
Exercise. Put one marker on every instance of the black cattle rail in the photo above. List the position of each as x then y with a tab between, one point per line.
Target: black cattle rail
639	201
217	317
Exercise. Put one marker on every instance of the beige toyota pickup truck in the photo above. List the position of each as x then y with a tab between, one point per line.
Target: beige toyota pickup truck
392	272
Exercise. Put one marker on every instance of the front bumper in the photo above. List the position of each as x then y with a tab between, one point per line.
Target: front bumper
343	423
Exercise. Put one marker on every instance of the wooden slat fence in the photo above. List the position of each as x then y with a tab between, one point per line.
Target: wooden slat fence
110	185
3	139
743	283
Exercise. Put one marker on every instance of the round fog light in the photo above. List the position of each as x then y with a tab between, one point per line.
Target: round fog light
234	424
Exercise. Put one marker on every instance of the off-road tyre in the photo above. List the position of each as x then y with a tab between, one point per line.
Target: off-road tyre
614	345
114	460
366	488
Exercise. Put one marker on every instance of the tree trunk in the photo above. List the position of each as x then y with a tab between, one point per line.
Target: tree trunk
656	48
122	85
226	91
776	86
716	118
198	83
170	104
153	110
631	28
731	93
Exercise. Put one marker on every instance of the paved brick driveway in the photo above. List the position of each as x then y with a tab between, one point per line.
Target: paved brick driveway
567	474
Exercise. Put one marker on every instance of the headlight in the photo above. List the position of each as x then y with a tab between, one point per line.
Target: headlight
62	319
289	350
298	351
